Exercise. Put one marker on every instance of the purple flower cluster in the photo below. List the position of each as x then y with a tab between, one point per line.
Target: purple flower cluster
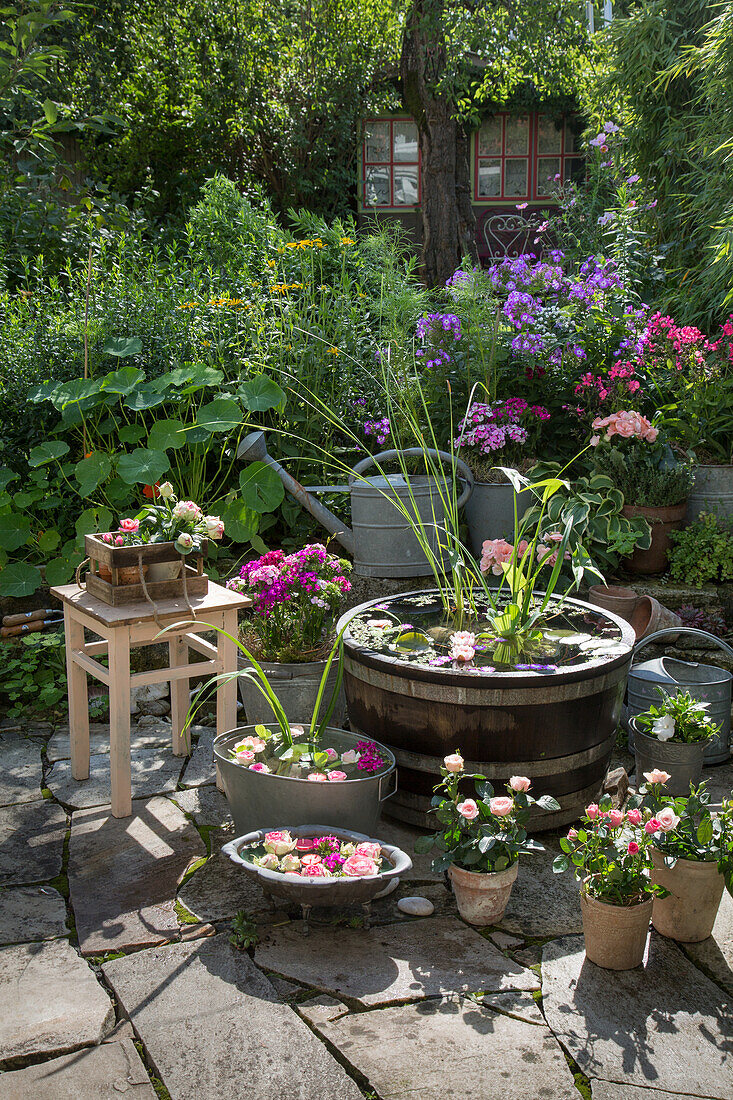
489	428
370	759
378	428
434	330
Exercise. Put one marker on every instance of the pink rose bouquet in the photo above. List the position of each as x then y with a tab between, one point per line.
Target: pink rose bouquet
183	522
486	833
319	856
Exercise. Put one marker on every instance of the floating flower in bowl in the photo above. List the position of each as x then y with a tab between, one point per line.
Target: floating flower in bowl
318	865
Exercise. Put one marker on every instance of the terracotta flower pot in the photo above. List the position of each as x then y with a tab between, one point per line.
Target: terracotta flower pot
662	521
688	912
615	935
128	574
621	601
482	896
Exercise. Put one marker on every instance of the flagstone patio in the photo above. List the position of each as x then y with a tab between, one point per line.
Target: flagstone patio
117	974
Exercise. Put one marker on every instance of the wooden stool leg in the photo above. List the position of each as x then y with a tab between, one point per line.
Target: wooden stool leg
226	696
119	722
78	697
178	655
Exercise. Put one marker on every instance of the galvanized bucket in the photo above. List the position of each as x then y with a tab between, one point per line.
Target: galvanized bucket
296	686
708	683
682	762
385	544
256	799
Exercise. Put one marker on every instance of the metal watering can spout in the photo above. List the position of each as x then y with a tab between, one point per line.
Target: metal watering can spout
253	448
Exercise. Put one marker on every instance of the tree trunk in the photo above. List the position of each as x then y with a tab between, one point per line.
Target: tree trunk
447	216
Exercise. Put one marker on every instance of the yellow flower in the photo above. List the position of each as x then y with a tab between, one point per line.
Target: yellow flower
273	263
236	301
206	343
333	351
346	240
362	295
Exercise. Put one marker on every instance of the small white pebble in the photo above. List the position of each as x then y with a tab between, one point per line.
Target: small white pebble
416	907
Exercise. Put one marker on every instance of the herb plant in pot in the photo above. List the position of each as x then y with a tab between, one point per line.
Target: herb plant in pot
610	856
481	839
692	857
655	483
295	600
672	737
507	431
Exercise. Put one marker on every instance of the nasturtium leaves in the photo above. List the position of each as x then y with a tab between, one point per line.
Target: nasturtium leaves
19	579
47	452
15	530
240	522
131	433
220	415
167	435
92	520
92	471
6	476
261	487
122	346
261	393
48	541
122	381
144	397
61	570
143	466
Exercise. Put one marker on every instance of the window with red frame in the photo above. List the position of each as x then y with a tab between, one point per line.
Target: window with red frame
523	157
391	163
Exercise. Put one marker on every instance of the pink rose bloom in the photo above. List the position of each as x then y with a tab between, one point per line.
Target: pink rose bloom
214	527
314	870
366	848
520	783
296	731
380	624
337	777
572	834
634	817
317	777
650	434
657	776
279	842
453	763
130	526
501	806
253	744
667	819
652	826
633	848
468	809
595	440
245	757
615	818
119	540
359	866
592	811
187	511
258	766
331	754
107	537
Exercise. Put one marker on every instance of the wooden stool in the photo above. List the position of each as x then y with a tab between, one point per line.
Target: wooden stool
121	628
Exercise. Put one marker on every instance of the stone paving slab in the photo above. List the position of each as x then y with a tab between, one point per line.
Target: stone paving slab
208	806
215	1027
543	903
715	954
421	1051
201	768
612	1090
662	1025
21	771
50	1001
397	962
123	874
720	782
31	913
159	738
219	889
31	842
321	1010
94	1073
404	836
515	1004
153	772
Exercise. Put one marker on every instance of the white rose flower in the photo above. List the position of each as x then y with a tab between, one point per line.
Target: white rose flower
166	491
350	756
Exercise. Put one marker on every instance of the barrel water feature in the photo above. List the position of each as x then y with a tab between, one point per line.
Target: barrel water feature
381	539
708	683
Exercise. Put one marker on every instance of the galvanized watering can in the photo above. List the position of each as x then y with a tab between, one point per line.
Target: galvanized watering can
708	683
381	539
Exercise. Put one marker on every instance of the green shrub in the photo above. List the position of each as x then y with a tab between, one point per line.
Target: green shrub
650	484
703	552
34	673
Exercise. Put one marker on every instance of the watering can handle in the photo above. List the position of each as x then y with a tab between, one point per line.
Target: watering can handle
417	452
684	630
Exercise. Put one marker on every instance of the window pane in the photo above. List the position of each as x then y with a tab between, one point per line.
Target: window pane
516	136
376	187
515	178
575	169
489	137
549	136
405	186
547	169
376	142
404	135
489	178
572	142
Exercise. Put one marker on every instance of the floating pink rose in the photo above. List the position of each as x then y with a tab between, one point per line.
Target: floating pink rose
318	777
279	842
634	817
657	776
468	809
331	754
245	757
379	624
667	819
501	806
453	763
258	766
520	783
358	866
290	863
366	848
337	777
296	731
254	744
129	526
315	870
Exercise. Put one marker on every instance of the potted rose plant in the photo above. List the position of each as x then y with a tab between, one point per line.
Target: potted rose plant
181	522
128	533
610	855
673	736
505	431
295	601
692	857
481	839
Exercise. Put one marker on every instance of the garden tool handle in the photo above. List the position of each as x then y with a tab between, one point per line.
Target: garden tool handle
684	630
417	452
384	797
29	616
29	628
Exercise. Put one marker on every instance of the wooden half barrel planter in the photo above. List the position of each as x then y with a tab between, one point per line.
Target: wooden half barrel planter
558	728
